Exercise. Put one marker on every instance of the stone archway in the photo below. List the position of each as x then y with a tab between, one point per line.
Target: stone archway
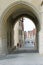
13	12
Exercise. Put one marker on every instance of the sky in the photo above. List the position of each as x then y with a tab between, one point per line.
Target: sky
28	24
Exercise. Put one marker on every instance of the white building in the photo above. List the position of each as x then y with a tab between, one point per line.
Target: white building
19	33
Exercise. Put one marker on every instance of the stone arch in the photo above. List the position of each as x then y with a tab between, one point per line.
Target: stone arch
14	11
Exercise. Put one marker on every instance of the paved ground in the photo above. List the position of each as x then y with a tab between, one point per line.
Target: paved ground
29	45
22	59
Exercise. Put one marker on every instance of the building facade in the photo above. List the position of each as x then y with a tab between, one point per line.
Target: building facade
19	33
32	34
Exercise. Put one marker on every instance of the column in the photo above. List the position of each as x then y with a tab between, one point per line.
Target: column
41	32
3	39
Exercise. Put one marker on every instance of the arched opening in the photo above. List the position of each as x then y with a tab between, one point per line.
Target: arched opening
9	19
15	42
24	34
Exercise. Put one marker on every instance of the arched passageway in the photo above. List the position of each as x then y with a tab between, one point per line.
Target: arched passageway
9	17
24	37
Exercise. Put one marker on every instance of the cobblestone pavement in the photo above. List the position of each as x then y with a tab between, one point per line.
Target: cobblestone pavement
22	59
